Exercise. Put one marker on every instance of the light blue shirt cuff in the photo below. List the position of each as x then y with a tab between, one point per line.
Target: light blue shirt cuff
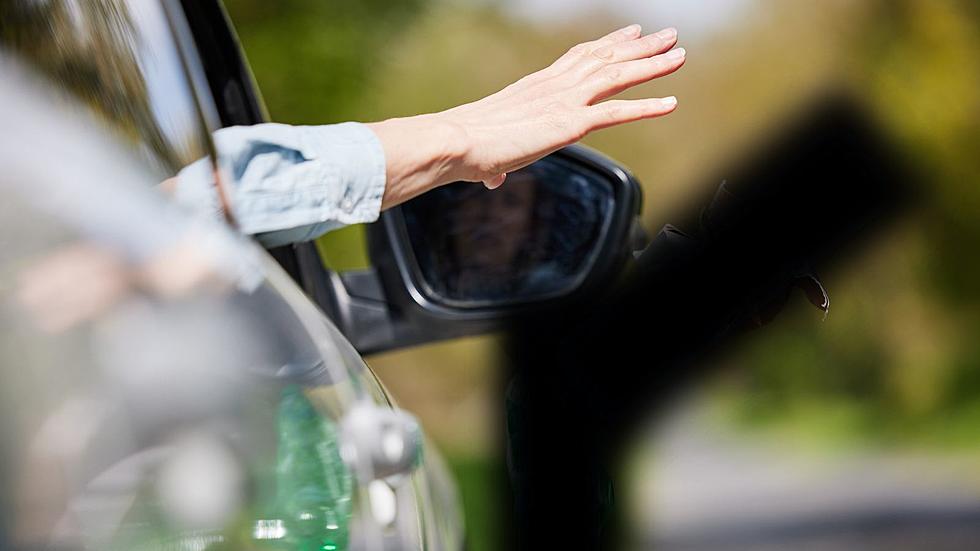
292	183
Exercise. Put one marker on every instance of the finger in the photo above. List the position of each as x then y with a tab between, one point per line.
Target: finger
496	181
611	113
580	51
648	46
572	57
615	78
628	32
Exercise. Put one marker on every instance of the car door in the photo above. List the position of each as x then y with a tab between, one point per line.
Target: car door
247	366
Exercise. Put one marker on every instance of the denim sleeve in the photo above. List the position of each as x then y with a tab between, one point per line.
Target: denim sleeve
292	183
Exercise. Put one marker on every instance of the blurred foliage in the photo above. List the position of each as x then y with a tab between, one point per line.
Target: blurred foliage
480	480
314	58
896	361
899	337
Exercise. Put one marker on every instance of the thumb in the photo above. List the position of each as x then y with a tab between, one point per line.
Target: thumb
496	181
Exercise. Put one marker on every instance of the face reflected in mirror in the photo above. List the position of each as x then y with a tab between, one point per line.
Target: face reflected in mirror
484	224
533	238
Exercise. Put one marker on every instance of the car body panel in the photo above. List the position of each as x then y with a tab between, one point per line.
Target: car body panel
201	332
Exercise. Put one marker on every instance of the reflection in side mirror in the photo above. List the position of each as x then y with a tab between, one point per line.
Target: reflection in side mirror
531	239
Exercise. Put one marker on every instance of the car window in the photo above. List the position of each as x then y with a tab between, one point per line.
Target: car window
120	60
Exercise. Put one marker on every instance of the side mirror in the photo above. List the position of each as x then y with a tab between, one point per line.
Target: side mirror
461	259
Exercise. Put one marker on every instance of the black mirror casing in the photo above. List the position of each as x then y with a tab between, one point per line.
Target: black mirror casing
416	314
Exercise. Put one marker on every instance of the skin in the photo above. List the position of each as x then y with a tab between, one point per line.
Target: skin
540	113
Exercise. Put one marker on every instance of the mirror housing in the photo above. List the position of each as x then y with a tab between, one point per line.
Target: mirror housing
397	303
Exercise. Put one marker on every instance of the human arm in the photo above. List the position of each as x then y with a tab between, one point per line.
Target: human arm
293	183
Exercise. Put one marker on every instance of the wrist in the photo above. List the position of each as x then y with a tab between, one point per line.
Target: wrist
421	153
449	141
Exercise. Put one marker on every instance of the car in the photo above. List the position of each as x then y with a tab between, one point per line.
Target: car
169	384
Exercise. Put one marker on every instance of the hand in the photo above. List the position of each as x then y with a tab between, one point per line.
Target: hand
539	114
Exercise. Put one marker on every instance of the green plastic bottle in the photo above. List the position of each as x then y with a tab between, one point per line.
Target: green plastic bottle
307	508
313	485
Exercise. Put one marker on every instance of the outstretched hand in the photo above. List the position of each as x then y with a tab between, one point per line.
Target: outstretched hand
538	114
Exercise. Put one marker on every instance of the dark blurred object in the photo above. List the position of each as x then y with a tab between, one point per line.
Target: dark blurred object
584	379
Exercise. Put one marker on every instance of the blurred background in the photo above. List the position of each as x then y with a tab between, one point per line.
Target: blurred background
814	422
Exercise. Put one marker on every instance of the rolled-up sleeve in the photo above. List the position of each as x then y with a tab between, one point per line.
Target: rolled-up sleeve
292	183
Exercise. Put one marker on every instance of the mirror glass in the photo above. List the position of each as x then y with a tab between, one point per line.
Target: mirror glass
535	237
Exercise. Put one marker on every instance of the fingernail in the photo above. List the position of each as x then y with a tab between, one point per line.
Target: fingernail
669	101
667	34
676	54
632	30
